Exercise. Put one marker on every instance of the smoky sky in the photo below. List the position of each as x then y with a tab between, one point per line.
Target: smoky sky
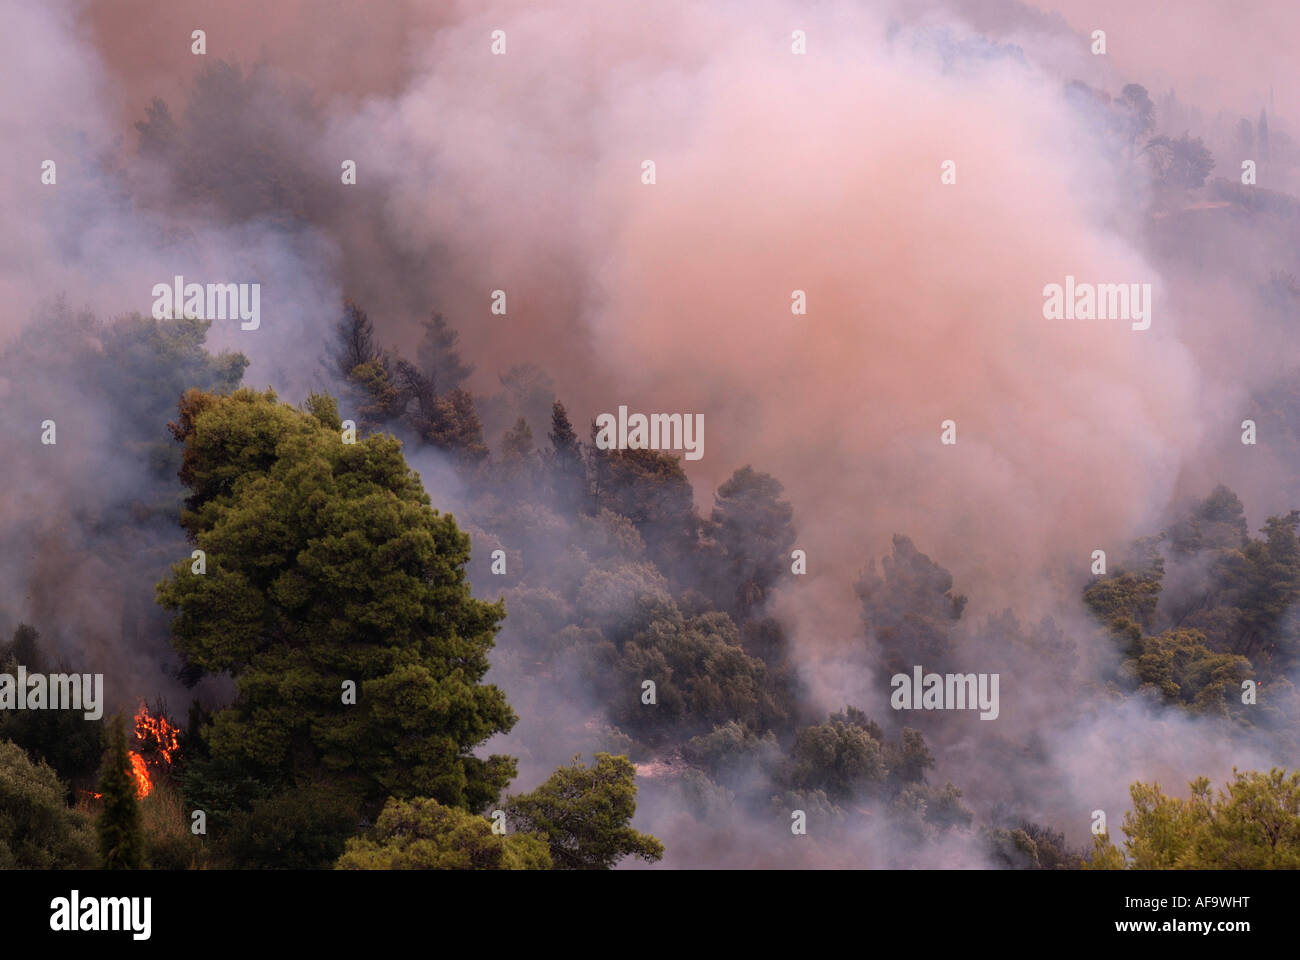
774	173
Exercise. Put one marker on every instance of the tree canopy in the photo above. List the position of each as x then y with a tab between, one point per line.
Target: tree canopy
584	813
1251	824
327	566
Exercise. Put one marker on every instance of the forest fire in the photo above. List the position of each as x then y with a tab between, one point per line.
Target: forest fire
154	736
156	743
143	785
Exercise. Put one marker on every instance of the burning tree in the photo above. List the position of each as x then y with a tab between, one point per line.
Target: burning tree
157	743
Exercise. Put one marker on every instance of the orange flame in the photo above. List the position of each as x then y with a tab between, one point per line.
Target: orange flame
155	735
165	737
143	785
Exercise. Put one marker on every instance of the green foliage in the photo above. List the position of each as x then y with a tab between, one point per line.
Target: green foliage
729	749
37	829
1178	664
650	488
1104	855
1125	594
1264	579
121	837
1243	594
327	564
454	426
1255	825
703	677
1252	825
1162	830
325	409
766	639
842	759
422	834
584	812
849	758
303	828
911	759
381	400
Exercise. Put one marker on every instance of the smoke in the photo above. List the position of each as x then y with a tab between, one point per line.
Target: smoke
1210	54
86	541
774	173
821	173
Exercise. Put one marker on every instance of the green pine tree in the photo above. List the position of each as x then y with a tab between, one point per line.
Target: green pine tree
585	813
326	565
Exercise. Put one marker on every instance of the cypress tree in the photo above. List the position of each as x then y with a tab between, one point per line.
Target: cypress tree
121	838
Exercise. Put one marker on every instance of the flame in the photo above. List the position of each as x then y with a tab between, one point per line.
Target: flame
154	735
143	785
166	737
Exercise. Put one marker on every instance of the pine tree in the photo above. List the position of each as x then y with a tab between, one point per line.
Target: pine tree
585	813
562	436
121	838
327	564
456	428
439	356
568	473
355	337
